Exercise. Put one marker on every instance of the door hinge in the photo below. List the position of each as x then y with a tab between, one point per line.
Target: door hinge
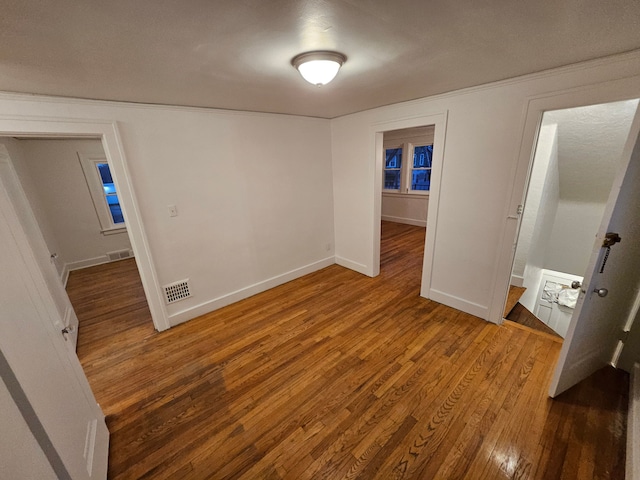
517	214
624	336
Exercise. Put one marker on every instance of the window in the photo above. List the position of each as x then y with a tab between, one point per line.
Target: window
103	193
421	171
392	168
413	176
110	195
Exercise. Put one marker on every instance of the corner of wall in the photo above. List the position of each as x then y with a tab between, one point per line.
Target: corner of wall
350	264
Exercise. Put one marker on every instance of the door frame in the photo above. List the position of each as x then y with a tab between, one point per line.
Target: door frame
605	92
107	131
439	120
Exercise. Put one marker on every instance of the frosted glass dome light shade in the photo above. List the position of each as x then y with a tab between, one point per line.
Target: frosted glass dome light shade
318	68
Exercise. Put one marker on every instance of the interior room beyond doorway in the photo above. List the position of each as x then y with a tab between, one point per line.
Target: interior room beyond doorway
408	157
576	161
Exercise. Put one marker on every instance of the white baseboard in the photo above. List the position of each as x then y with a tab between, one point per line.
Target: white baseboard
351	265
466	306
89	262
77	265
633	426
228	299
80	264
408	221
517	281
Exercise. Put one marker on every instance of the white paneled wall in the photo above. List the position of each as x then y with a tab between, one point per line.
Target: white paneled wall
484	132
253	192
260	196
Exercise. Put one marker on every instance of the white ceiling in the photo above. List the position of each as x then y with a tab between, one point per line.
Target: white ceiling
590	144
235	54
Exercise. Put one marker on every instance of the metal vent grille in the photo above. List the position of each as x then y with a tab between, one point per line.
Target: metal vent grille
177	291
119	255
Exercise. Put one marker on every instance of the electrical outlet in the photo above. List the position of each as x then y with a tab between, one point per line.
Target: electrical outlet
328	247
173	211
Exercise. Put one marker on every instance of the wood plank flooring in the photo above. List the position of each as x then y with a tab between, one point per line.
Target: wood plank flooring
512	299
338	376
520	314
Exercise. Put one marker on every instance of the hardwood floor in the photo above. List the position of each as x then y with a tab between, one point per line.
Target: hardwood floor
512	299
515	312
520	314
337	375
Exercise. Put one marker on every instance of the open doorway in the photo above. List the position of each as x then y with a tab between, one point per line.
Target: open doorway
437	124
70	188
576	160
408	155
67	202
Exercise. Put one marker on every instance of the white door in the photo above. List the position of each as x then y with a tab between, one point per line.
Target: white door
556	300
598	320
67	317
45	378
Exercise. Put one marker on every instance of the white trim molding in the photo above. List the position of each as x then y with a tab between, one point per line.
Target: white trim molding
458	303
439	120
355	266
107	131
89	164
406	221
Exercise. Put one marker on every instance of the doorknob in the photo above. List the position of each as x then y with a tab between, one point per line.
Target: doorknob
602	292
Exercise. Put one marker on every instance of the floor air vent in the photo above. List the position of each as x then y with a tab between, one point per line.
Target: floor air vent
177	291
119	255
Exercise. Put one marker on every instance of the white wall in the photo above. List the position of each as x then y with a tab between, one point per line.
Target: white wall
20	454
405	208
19	162
54	182
483	134
541	202
253	193
590	146
573	236
540	214
248	220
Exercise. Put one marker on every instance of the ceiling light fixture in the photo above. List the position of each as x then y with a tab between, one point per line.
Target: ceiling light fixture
318	68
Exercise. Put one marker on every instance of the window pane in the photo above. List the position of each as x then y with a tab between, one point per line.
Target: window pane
114	208
105	178
422	156
112	199
420	179
113	202
393	158
105	173
392	179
